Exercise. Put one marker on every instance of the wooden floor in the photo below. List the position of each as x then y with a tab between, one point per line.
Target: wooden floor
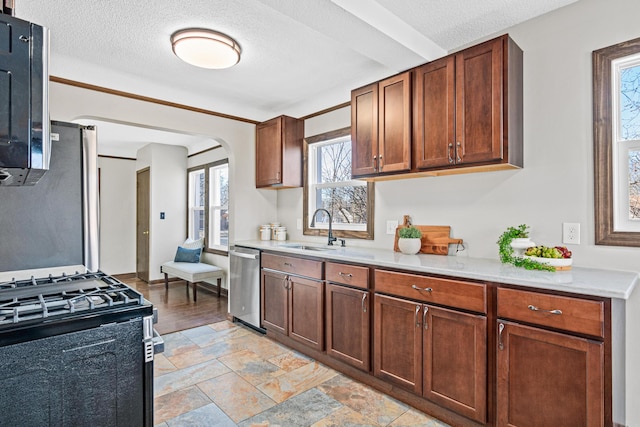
176	309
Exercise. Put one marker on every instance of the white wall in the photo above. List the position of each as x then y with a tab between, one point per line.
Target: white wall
168	194
117	215
556	183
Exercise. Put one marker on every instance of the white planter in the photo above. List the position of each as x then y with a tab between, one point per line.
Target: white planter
520	244
409	246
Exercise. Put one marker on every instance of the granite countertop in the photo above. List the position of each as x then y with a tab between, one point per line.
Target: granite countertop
579	280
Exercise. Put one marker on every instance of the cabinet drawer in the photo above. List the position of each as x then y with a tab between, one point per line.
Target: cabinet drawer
567	313
347	274
293	265
452	293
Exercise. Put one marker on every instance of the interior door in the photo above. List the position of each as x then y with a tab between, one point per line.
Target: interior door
142	224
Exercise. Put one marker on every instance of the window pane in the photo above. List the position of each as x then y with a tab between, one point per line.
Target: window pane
218	207
347	205
334	161
634	185
196	204
630	103
219	235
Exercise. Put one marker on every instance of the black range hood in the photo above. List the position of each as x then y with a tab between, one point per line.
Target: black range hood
25	143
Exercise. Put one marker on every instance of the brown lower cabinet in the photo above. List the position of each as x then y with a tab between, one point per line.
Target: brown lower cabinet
293	306
424	339
432	351
548	378
348	326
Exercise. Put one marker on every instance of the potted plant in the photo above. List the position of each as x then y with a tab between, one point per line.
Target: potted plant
409	241
518	238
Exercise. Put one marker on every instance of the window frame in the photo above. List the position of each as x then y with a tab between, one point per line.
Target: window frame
603	122
207	204
351	234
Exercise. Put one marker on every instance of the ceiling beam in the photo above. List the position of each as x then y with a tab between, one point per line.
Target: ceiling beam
386	22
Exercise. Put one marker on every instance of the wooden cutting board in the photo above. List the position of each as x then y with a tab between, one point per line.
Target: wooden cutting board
435	238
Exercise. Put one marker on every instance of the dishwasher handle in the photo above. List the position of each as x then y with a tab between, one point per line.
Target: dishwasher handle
243	255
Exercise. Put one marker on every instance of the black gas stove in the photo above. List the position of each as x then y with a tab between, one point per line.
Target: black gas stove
81	345
44	298
38	307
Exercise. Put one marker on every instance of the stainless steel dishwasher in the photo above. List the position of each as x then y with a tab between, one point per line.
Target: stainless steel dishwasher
244	296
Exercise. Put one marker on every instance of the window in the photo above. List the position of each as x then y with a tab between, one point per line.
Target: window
209	199
616	133
328	185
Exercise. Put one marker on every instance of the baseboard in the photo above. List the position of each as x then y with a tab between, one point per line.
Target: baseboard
125	276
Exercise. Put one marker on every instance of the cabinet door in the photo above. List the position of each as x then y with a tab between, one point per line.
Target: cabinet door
306	314
397	342
455	361
434	114
394	123
348	332
275	308
364	130
479	103
269	153
547	378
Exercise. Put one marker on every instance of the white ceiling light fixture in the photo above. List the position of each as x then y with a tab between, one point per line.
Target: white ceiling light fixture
205	48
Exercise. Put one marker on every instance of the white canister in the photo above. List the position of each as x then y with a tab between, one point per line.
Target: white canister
265	232
281	233
274	229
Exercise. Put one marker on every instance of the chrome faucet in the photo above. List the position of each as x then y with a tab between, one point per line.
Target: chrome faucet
313	223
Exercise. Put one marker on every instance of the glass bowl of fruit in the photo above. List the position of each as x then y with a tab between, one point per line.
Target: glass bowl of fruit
555	256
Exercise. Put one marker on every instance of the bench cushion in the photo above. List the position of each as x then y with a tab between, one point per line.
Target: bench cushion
192	272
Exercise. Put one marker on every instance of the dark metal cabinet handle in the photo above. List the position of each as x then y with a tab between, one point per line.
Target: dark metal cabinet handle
364	307
417	316
500	329
449	151
24	38
421	289
380	161
340	273
534	308
424	317
288	264
375	163
458	149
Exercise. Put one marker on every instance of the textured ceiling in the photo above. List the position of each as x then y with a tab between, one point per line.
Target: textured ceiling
298	56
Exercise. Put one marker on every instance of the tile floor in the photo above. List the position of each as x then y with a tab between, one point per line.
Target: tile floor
226	374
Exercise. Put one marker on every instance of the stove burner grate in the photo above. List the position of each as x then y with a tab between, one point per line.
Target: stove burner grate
44	298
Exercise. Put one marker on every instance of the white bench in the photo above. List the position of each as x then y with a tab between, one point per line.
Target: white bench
194	273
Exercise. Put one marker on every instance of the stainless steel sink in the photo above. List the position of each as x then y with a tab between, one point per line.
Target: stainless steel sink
309	248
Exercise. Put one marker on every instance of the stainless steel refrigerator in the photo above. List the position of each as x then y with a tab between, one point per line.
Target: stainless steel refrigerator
55	222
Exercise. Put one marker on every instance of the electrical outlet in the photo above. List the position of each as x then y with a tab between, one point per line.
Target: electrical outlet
392	224
299	223
571	233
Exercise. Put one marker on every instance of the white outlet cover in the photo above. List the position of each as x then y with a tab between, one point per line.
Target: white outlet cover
571	233
392	224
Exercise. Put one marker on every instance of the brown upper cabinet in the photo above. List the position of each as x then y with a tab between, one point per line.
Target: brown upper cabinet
466	116
381	127
468	107
279	153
